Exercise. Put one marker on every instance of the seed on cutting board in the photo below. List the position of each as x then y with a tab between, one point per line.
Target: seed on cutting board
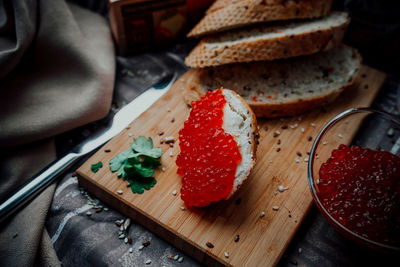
312	124
226	254
176	257
309	139
130	240
237	238
238	201
278	149
163	169
141	247
130	134
99	210
146	243
130	250
390	132
279	142
305	159
209	244
119	192
340	136
121	236
275	207
302	130
88	213
174	193
121	228
126	240
284	127
169	139
180	260
171	154
148	262
298	153
262	214
160	133
282	188
173	119
117	223
294	126
107	150
182	208
128	184
324	143
297	160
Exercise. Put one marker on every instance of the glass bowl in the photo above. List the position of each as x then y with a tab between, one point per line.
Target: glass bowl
378	131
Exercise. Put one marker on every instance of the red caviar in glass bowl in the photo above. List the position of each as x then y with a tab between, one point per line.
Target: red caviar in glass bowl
357	188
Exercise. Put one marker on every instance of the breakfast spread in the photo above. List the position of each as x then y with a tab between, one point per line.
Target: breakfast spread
360	188
217	143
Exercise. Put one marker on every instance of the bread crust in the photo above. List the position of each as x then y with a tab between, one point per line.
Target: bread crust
225	15
306	43
254	139
193	92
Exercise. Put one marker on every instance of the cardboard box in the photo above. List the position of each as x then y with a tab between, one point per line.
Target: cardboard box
141	25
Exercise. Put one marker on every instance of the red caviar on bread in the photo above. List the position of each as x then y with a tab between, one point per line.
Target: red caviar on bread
217	148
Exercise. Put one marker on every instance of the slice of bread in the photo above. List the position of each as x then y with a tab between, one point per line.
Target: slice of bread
278	40
282	87
228	14
240	122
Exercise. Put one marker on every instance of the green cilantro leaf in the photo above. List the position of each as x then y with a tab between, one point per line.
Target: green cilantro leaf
144	146
139	184
95	167
137	164
117	162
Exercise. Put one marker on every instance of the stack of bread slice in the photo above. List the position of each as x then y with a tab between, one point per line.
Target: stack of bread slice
284	57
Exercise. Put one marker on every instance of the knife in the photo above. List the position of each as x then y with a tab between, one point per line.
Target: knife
119	122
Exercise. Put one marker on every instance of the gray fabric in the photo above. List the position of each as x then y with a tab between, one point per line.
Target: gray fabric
57	68
64	79
20	238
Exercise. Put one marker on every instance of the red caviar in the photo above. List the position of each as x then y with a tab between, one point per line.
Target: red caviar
209	156
360	188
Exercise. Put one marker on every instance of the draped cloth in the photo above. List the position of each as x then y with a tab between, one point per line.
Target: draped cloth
57	68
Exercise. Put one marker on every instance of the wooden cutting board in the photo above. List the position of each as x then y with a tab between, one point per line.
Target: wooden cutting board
262	240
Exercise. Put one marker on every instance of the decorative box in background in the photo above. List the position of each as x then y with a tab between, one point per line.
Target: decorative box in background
142	25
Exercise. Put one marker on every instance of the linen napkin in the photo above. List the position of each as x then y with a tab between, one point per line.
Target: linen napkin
57	67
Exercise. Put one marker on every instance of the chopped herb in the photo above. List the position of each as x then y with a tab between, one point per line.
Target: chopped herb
95	167
137	164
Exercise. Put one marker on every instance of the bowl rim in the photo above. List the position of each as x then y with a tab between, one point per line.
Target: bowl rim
316	142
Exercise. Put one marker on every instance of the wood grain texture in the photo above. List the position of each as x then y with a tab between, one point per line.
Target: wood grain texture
262	240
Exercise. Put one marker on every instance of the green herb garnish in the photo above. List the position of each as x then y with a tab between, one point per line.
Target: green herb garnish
96	167
137	164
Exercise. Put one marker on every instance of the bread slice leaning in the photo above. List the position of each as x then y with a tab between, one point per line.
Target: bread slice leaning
224	14
280	40
240	122
282	87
